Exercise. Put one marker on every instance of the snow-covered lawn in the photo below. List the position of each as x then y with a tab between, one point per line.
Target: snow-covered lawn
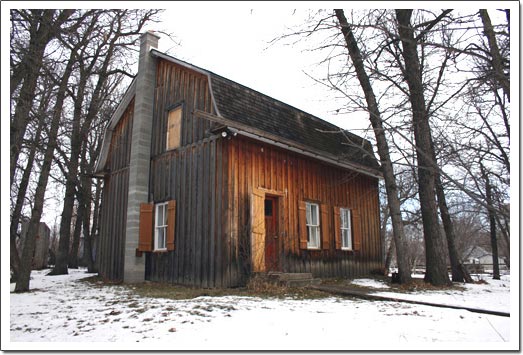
62	313
494	296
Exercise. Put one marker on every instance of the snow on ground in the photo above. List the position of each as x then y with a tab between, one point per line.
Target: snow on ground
62	313
495	297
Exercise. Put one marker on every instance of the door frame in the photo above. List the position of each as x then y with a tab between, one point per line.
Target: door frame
257	233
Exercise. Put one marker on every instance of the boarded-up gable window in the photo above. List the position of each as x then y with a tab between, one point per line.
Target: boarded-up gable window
174	128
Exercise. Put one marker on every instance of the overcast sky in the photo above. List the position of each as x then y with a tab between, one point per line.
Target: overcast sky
232	39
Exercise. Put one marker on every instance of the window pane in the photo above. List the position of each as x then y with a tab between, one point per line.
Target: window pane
159	215
160	235
314	237
314	214
165	214
268	208
316	240
308	209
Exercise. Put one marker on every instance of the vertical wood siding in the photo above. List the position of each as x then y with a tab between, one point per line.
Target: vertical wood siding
212	179
176	85
114	200
295	177
195	177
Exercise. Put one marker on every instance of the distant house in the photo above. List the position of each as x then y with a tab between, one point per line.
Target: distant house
208	181
476	255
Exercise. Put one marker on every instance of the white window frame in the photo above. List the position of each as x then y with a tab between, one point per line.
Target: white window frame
313	229
346	229
160	228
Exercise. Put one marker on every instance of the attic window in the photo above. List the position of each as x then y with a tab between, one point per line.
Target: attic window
174	124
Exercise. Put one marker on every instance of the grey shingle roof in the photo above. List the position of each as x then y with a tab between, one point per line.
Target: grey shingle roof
249	107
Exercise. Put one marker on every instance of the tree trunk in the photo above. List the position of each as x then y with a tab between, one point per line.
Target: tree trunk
80	215
497	60
43	29
22	188
89	239
40	35
22	284
71	183
436	261
388	257
492	222
459	272
383	149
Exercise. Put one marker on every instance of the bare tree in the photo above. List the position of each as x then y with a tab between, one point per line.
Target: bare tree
114	31
22	283
383	147
436	263
43	26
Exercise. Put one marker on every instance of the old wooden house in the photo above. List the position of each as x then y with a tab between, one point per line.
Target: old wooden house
208	181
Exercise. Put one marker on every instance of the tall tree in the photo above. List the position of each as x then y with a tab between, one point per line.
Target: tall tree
497	60
114	32
44	25
23	186
383	147
492	222
22	283
436	262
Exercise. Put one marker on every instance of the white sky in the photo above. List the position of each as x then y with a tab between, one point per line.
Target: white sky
231	40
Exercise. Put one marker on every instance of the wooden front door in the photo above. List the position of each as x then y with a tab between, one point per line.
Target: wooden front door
271	234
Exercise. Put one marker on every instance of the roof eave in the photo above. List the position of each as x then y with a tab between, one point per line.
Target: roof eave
268	138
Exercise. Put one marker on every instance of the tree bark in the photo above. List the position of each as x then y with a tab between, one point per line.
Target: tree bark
436	261
22	284
459	272
497	60
89	238
492	222
42	30
62	255
383	148
80	215
79	134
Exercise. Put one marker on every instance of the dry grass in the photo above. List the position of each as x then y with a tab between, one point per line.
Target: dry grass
256	287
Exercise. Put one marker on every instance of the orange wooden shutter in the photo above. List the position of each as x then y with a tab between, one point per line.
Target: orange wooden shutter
325	234
356	233
145	242
258	231
302	224
337	227
171	224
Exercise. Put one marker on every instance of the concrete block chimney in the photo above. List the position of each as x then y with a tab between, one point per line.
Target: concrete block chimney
134	267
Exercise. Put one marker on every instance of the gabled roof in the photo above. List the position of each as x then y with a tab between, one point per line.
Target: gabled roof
259	115
249	107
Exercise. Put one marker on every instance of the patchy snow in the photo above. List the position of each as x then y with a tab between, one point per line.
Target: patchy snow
61	313
371	283
493	296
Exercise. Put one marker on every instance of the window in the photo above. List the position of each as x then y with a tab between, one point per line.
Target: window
345	225
174	124
313	225
160	227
